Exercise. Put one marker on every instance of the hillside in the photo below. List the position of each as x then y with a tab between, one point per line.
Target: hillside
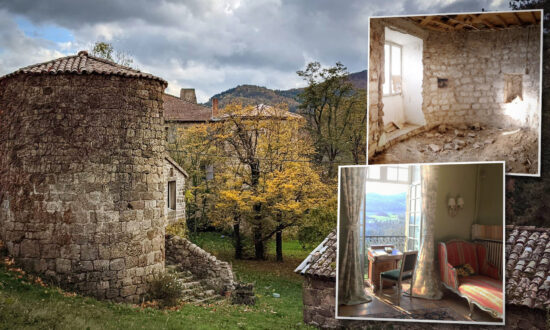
252	94
389	204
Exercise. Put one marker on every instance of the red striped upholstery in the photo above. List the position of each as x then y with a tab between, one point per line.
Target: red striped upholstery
485	267
485	291
462	252
484	288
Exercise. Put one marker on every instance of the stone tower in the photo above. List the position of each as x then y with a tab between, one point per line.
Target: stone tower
81	174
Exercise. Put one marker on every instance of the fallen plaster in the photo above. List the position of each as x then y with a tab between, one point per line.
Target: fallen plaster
461	143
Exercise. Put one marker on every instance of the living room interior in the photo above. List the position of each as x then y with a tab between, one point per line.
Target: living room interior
437	228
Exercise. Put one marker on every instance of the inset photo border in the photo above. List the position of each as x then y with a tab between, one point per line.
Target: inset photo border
456	87
434	229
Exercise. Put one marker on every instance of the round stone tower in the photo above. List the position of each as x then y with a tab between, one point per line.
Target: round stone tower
81	182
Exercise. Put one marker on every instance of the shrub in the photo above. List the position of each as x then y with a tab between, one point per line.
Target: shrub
166	289
177	229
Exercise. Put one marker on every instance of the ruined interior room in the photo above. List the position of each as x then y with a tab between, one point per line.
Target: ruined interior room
456	88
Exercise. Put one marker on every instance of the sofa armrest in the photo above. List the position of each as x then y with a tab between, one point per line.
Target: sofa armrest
446	270
450	277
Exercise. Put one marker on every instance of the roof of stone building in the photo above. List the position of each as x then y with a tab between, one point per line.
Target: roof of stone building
172	162
83	63
176	109
266	111
321	262
528	266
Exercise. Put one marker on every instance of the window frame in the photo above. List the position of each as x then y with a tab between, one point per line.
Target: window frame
391	43
172	192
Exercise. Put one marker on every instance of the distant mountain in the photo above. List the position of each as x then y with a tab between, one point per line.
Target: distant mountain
389	204
252	94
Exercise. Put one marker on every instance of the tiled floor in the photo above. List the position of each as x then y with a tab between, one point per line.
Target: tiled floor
387	305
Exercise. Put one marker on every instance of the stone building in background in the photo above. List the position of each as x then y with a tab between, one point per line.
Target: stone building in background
184	111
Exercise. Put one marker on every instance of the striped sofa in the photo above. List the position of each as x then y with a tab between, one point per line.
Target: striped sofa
484	288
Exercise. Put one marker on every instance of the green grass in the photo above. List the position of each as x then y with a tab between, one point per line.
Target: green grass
24	305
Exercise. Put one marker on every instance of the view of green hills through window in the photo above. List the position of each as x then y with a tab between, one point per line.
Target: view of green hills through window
385	214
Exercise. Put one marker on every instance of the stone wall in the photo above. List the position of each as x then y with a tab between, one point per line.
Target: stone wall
319	302
215	273
477	65
172	173
81	180
376	80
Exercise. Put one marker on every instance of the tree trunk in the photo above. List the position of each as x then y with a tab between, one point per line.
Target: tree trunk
279	245
259	250
259	244
238	241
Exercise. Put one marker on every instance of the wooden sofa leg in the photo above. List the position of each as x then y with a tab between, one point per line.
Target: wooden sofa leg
471	309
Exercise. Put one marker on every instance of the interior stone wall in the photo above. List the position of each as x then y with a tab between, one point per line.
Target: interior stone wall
376	80
81	180
476	65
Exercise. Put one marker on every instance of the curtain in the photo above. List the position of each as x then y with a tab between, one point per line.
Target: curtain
426	280
351	289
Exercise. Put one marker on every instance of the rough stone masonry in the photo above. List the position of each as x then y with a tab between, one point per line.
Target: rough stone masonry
81	174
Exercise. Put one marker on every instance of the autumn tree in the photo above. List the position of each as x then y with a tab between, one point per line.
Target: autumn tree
260	143
289	195
195	150
106	50
334	109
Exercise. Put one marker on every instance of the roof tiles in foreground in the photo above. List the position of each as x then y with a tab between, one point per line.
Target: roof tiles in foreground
321	262
528	266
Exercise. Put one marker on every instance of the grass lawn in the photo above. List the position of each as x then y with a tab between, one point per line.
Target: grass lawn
25	305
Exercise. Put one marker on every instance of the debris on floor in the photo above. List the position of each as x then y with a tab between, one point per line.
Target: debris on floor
476	142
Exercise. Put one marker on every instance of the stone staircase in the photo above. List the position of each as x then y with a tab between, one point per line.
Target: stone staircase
194	291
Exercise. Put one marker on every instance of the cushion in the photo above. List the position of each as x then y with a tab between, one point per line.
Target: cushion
485	291
465	270
462	252
394	275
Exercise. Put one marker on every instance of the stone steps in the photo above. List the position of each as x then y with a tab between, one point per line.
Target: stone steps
193	290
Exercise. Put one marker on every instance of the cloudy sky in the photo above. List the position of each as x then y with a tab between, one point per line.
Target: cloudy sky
208	44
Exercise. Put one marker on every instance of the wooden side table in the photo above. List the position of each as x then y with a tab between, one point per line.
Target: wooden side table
380	261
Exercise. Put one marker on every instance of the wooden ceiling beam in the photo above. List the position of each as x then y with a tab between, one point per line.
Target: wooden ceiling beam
426	20
518	19
535	19
502	20
461	23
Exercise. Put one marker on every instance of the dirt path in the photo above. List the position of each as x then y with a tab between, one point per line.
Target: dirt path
518	147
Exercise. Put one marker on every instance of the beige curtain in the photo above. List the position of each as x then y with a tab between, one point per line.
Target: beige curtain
426	280
351	290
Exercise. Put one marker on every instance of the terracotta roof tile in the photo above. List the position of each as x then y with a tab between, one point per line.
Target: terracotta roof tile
82	63
321	262
528	266
176	109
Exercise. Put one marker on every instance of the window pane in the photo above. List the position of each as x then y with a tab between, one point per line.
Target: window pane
395	69
418	205
395	60
392	173
387	80
373	172
403	174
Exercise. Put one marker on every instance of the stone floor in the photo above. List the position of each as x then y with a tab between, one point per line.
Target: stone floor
386	306
517	146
